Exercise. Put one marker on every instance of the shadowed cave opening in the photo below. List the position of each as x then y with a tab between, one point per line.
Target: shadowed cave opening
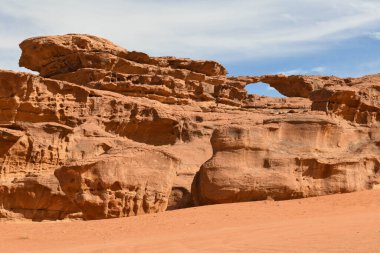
263	89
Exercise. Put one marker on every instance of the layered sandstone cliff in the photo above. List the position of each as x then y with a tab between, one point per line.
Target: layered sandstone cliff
104	132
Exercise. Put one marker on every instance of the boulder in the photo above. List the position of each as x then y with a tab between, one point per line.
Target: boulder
288	158
130	182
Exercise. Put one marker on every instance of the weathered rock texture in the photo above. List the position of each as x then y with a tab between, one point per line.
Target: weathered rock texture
104	132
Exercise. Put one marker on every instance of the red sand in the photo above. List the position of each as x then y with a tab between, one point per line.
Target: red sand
336	223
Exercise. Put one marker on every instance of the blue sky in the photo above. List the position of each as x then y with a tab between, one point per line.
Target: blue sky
320	37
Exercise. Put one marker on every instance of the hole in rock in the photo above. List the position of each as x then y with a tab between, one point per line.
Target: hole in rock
263	89
179	198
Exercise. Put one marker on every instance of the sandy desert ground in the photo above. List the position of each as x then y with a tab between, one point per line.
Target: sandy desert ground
336	223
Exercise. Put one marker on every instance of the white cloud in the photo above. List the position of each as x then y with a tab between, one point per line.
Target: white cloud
315	70
375	35
222	30
293	72
318	70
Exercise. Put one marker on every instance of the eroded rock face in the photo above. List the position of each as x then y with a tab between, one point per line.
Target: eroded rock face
131	182
40	52
288	158
104	132
52	123
358	102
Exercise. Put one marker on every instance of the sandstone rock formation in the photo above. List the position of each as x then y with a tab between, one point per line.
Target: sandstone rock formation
104	132
288	158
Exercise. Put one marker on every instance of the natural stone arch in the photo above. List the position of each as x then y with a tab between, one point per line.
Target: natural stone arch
263	89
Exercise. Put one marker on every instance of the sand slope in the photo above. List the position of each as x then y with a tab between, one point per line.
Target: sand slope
337	223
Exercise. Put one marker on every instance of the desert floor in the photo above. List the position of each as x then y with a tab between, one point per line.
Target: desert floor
336	223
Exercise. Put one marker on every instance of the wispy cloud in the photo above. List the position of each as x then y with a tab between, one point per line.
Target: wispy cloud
293	72
319	70
375	35
222	30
